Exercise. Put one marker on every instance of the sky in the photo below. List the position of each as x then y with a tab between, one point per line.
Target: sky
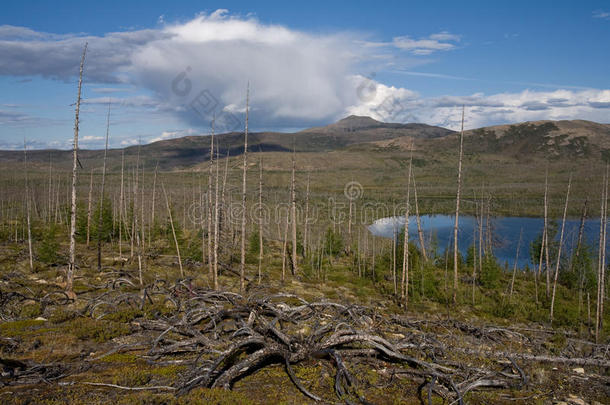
166	70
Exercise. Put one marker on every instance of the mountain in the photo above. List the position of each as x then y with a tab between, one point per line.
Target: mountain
549	139
190	150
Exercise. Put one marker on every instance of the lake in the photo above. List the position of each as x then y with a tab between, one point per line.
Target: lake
505	231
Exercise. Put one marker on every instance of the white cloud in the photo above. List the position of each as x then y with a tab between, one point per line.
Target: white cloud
129	142
92	138
392	104
297	79
173	134
604	15
443	41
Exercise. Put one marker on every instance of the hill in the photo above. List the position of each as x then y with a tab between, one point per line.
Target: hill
188	151
521	141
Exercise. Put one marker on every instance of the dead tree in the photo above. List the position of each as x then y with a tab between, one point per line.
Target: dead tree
171	222
260	220
512	283
215	275
135	232
72	264
100	220
305	223
27	205
89	203
405	253
293	210
601	272
545	235
457	214
563	223
242	263
121	204
154	197
420	232
209	206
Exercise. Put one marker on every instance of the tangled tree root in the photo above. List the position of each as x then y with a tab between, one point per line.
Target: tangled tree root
223	337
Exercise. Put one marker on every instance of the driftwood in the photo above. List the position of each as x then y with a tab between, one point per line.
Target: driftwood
223	337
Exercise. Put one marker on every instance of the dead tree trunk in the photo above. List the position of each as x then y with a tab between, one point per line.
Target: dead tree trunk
121	204
100	220
512	282
563	223
284	247
171	222
405	252
474	250
135	231
72	264
27	205
420	232
260	220
209	206
242	264
599	312
546	235
295	266
215	275
89	203
305	224
154	197
457	214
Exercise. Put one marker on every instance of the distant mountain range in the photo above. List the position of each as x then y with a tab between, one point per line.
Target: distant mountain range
551	139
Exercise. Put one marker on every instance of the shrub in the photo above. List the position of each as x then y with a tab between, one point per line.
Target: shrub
49	247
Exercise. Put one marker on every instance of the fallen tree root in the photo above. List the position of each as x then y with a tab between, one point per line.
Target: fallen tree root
222	337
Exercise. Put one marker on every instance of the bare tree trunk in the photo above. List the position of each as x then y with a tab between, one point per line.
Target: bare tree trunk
72	265
260	220
599	312
121	204
215	276
546	235
171	221
224	186
348	248
474	251
27	205
581	274
603	270
405	252
420	232
50	202
284	247
305	224
295	257
373	262
242	264
142	223
512	283
539	272
154	198
89	208
563	223
102	195
457	214
481	214
394	278
209	205
135	231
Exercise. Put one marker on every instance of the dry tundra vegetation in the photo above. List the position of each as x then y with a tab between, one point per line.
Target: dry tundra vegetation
129	277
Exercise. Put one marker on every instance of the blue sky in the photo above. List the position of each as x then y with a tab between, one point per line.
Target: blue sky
308	64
